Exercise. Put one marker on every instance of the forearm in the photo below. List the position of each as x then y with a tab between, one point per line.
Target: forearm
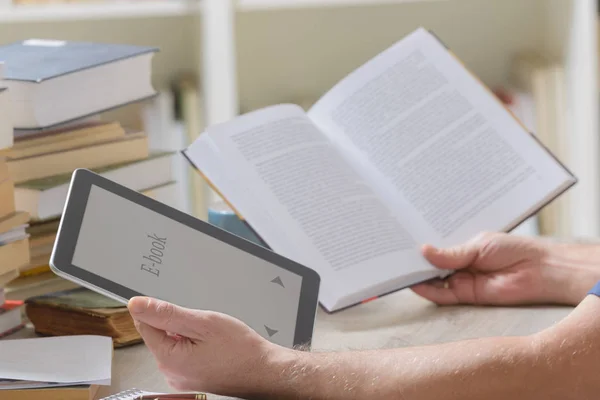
480	369
559	363
570	271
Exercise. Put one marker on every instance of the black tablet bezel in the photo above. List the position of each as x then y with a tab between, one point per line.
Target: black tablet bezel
70	225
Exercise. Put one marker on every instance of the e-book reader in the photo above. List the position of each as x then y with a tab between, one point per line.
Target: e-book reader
122	243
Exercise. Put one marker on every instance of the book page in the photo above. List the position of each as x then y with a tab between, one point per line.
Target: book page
284	176
437	144
63	359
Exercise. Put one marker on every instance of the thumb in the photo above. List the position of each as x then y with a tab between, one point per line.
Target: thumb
156	340
451	258
161	315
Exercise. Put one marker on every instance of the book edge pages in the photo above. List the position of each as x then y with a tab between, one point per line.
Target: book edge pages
212	185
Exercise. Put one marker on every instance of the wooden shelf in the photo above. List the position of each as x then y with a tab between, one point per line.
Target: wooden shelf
262	5
99	10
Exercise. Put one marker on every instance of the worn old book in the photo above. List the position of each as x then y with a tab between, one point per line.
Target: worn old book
82	312
131	147
45	198
64	139
410	148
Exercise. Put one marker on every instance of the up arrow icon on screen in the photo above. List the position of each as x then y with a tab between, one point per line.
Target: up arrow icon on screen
278	281
270	331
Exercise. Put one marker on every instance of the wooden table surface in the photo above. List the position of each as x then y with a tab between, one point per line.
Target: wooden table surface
398	320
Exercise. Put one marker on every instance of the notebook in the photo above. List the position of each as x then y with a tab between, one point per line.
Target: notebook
133	394
130	394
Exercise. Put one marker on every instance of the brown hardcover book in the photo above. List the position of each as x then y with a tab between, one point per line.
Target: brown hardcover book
14	255
8	277
7	198
82	312
32	285
133	146
3	169
64	140
83	392
40	228
13	220
41	242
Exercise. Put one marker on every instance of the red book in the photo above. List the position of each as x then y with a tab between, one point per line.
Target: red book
10	317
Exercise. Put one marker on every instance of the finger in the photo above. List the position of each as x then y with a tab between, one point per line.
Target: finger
451	258
163	316
433	292
457	289
159	342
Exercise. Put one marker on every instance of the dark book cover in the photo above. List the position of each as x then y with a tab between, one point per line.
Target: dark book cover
79	298
37	60
81	311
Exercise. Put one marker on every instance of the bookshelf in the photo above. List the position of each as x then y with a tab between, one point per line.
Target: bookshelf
252	53
87	11
254	5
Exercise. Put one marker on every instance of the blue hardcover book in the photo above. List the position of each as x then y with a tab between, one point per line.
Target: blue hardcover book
53	82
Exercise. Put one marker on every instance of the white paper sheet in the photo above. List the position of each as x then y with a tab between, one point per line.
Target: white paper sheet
65	359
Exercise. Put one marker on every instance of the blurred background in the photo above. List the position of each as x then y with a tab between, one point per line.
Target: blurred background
219	58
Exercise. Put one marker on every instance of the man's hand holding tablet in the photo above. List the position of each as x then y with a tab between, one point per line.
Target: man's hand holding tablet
210	351
123	244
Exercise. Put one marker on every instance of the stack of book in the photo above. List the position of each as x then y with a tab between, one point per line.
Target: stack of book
14	245
60	93
82	312
56	368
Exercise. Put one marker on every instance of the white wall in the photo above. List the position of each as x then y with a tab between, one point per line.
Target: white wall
304	52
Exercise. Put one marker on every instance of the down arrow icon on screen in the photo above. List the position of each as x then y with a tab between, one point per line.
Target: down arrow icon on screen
270	331
278	281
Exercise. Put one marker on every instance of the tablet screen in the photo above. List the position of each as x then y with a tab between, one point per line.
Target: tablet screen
134	246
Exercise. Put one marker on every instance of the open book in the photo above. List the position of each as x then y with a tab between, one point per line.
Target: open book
409	149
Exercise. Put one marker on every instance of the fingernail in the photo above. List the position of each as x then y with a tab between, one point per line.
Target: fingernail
138	305
438	283
433	250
